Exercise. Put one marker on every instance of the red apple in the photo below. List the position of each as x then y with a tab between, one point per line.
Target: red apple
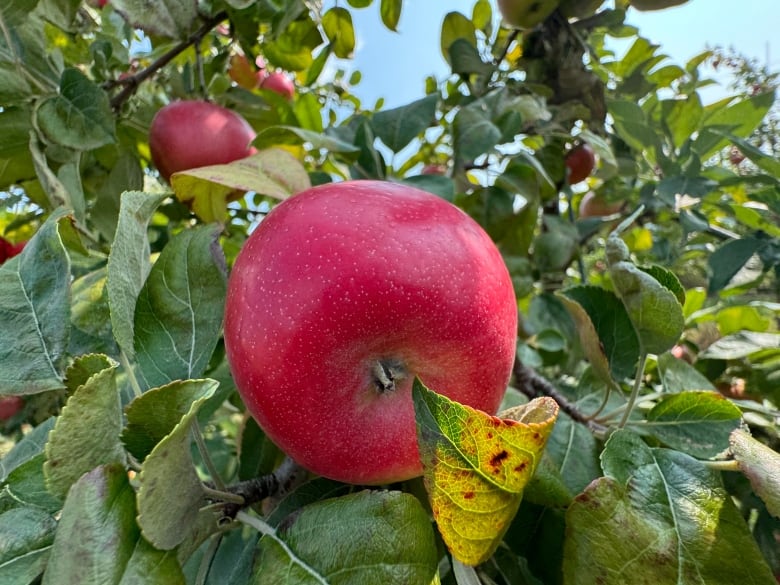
434	169
593	205
9	249
580	162
279	83
10	407
343	295
191	134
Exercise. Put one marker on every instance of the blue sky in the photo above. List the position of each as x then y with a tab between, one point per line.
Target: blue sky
394	65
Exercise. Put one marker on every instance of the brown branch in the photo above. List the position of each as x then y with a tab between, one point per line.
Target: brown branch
132	82
510	39
533	385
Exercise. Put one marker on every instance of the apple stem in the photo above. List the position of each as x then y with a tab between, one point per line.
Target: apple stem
385	373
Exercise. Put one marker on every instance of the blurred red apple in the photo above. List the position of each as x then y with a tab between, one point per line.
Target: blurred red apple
280	83
580	162
9	249
594	205
10	407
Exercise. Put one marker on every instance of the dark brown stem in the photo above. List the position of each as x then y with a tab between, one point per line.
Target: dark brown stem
533	385
130	84
509	41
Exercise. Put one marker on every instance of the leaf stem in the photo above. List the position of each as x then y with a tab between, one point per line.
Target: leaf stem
204	455
635	389
726	465
130	373
223	495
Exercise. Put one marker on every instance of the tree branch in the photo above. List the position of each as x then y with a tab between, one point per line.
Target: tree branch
132	82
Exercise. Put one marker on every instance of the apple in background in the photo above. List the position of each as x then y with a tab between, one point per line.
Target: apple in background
580	162
242	72
191	134
279	83
594	205
10	406
342	295
9	249
434	169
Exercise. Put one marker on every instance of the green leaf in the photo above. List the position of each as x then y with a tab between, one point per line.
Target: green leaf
87	431
16	164
474	131
275	135
465	59
27	486
178	316
390	11
740	345
761	159
653	308
444	187
337	23
476	467
482	15
272	172
399	126
170	492
632	126
697	423
761	465
80	116
128	263
679	376
355	554
29	446
728	259
682	117
35	314
149	566
456	26
168	18
683	525
26	536
739	118
574	451
292	49
97	531
608	338
668	279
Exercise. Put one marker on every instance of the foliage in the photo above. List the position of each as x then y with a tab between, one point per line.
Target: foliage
657	338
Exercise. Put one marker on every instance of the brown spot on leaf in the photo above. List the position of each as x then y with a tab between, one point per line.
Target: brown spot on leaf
498	458
521	468
468	495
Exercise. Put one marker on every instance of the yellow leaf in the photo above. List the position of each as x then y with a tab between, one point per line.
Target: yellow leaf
476	467
207	190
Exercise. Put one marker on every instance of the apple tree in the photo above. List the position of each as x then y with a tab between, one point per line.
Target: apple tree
637	440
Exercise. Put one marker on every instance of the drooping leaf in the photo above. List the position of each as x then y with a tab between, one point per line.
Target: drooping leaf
35	314
272	172
390	11
697	423
86	434
168	18
679	376
26	535
16	164
80	116
739	118
128	263
465	59
275	135
608	338
356	554
337	23
476	467
149	566
170	492
399	126
683	525
761	465
178	316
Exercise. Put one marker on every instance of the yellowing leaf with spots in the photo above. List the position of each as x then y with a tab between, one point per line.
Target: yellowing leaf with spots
476	467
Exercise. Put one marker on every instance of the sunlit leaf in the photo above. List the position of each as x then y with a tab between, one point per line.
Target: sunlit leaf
337	23
169	18
456	26
390	11
476	467
399	126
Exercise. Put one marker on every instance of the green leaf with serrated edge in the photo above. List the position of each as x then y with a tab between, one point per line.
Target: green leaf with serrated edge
728	259
26	535
170	492
653	308
761	465
390	11
456	26
169	18
683	524
399	126
153	415
84	367
97	531
128	263
476	466
27	486
80	116
608	338
35	314
678	375
355	554
86	433
697	423
28	447
178	315
272	172
337	23
668	279
740	345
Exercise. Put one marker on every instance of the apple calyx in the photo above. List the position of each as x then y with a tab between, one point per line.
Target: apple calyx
385	373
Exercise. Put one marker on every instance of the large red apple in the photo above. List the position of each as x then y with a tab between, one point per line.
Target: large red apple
343	295
189	134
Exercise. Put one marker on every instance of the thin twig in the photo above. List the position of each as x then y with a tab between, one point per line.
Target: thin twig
635	390
132	83
510	39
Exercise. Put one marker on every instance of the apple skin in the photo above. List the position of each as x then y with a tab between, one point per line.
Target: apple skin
189	134
580	162
10	407
8	249
434	169
342	278
279	83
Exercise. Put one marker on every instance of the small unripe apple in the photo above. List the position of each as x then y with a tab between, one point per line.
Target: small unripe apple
10	407
279	83
593	205
342	295
580	162
191	134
